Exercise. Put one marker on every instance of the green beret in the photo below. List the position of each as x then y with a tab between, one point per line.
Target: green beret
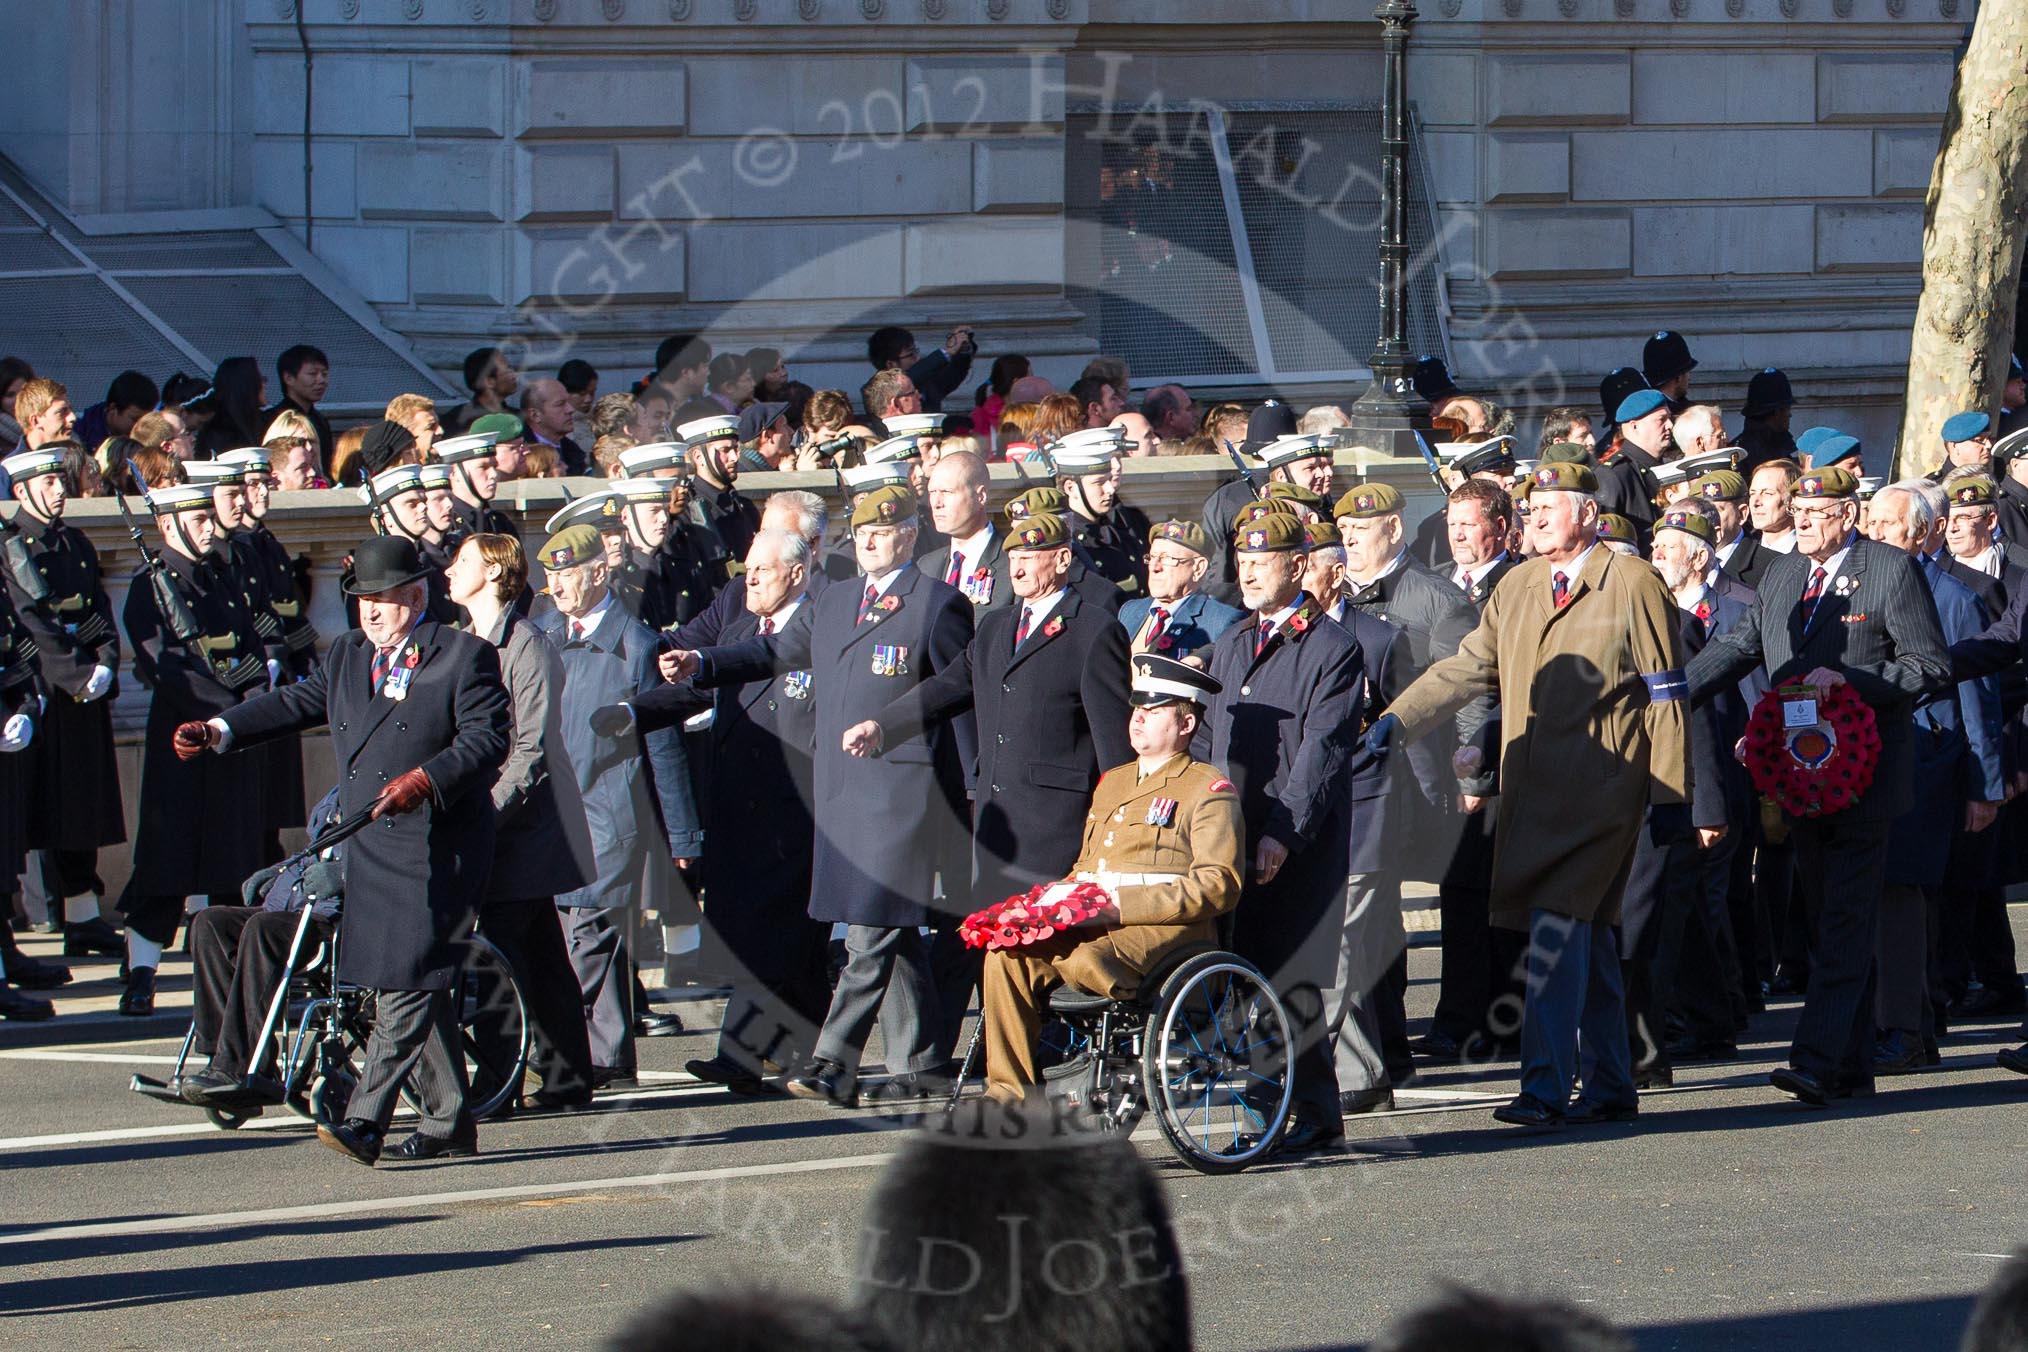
1320	535
499	426
1563	476
888	505
1974	490
1275	533
1721	485
1046	501
1300	496
1615	529
1829	482
1260	507
1188	534
1690	522
571	546
1038	532
1367	500
1565	453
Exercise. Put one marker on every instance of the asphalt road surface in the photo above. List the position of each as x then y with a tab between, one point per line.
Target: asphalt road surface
1726	1218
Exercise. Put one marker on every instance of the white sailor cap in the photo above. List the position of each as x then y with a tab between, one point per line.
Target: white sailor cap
247	460
206	473
473	446
434	476
724	427
900	447
1725	457
1088	450
390	484
916	424
865	478
632	491
1302	446
638	462
25	465
178	498
599	509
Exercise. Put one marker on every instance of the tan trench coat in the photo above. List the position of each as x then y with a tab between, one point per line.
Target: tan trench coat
1583	749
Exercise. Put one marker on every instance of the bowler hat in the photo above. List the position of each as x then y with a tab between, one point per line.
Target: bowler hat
384	563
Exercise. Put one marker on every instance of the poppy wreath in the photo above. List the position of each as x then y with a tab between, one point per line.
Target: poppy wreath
1026	918
1805	772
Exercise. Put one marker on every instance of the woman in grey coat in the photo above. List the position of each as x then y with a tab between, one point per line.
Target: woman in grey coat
543	847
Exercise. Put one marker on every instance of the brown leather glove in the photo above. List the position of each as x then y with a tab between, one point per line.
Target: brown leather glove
194	739
404	793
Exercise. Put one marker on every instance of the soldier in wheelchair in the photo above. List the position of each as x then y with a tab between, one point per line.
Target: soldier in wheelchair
242	955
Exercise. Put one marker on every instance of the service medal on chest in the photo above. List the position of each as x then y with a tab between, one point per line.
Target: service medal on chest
890	660
1161	812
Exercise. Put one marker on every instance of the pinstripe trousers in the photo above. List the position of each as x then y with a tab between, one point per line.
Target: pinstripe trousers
413	1034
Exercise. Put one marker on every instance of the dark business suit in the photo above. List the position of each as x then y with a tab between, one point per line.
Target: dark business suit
1363	1006
1193	624
983	579
883	819
1478	960
1051	717
412	882
759	833
1282	729
1877	625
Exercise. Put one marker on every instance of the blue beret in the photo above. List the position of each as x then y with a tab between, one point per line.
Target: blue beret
1833	447
1639	404
1807	441
1964	426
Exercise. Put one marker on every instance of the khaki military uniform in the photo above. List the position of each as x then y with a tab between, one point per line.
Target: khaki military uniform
1168	846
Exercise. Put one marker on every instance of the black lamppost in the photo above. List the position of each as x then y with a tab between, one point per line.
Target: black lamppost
1390	410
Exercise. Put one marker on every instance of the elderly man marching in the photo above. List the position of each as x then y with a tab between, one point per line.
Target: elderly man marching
1183	851
1582	645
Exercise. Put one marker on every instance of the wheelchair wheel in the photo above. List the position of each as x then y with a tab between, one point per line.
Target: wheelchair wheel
223	1120
493	1028
1217	1063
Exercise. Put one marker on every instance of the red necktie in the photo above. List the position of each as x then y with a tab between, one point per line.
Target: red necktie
1812	593
383	659
1559	590
1021	630
1158	624
1260	640
956	570
767	624
866	605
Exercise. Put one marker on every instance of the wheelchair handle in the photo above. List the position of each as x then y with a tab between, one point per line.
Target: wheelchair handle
336	833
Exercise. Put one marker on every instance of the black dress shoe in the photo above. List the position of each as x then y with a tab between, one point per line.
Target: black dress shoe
826	1081
138	1000
1991	1000
1378	1099
731	1074
195	1086
93	938
33	974
1308	1138
614	1077
657	1025
27	1008
1789	983
1585	1113
1801	1085
1899	1053
1528	1111
906	1090
418	1146
1692	1048
1438	1045
1655	1077
552	1101
2014	1059
355	1138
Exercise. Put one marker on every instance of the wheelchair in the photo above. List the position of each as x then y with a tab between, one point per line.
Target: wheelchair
314	1035
1206	1045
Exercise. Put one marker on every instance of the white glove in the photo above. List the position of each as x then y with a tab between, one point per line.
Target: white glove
274	672
101	680
16	733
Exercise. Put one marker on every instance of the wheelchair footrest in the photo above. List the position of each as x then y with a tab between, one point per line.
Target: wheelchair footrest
158	1090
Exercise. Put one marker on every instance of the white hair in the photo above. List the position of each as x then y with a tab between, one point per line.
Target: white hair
812	515
788	547
1323	418
1926	503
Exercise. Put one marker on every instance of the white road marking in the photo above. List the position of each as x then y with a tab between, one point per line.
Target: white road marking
226	1220
114	1058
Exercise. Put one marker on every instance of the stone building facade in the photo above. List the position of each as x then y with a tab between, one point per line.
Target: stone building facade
587	175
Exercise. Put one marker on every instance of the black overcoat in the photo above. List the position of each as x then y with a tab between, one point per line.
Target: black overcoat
412	882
